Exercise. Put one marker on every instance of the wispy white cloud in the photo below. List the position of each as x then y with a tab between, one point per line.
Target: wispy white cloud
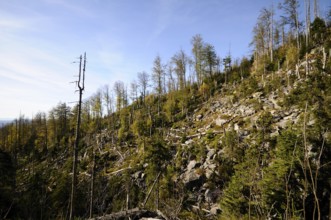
35	59
32	77
30	63
39	39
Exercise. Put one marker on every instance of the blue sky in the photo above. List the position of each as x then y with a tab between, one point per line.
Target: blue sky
39	40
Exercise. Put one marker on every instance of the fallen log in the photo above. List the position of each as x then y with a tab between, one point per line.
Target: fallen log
122	214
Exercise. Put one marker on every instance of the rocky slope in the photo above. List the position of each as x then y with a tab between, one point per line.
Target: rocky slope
199	146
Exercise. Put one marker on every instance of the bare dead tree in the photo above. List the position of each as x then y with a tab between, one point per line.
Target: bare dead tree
151	189
288	191
307	7
304	164
307	168
316	9
80	85
271	41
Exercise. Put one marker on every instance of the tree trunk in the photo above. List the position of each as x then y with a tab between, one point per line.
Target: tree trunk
149	193
330	201
272	35
305	164
92	183
80	85
297	31
315	9
324	59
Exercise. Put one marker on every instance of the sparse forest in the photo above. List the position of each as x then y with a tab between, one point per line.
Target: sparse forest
198	136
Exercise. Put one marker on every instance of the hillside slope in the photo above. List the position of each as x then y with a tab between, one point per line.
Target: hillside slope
252	142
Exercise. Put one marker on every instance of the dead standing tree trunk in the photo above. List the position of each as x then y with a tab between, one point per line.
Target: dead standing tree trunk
92	181
80	85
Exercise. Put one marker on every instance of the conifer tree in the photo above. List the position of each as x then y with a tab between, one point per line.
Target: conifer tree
158	79
210	58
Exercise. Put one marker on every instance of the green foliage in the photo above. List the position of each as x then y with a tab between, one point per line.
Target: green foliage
259	175
279	183
171	108
292	56
248	87
7	183
237	195
124	128
318	31
60	194
156	154
189	215
323	112
139	126
265	121
274	84
310	91
210	135
225	170
231	146
205	91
